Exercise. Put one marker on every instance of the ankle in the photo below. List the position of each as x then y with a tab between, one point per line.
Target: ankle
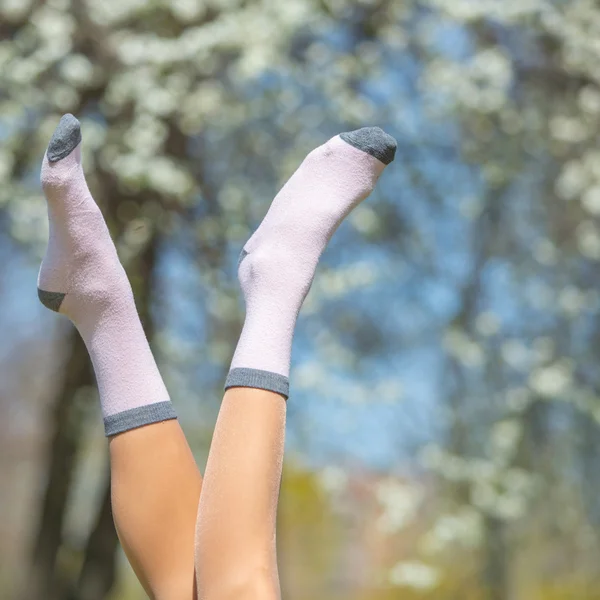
277	271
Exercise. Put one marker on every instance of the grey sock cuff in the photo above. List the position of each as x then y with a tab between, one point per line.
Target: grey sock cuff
138	417
373	141
255	378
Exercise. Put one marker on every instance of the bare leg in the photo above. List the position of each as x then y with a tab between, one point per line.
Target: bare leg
155	492
155	481
235	542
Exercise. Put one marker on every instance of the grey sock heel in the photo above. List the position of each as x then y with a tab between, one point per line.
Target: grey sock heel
51	300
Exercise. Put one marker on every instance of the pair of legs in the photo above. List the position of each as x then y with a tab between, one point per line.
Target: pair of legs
187	538
156	489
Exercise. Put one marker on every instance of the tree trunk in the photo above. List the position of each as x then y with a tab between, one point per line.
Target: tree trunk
66	424
98	573
497	576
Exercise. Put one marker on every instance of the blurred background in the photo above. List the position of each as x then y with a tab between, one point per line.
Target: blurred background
443	437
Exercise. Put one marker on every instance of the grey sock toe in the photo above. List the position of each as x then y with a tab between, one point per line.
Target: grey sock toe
65	139
373	141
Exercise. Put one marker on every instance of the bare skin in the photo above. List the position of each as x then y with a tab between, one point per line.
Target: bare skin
155	493
235	533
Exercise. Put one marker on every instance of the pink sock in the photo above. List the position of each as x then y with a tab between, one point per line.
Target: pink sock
278	262
82	278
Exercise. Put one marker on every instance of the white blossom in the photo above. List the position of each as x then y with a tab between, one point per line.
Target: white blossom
553	380
414	574
333	479
399	502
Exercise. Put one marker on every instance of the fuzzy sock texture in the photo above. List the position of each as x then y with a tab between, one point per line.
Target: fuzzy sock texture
81	277
278	263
